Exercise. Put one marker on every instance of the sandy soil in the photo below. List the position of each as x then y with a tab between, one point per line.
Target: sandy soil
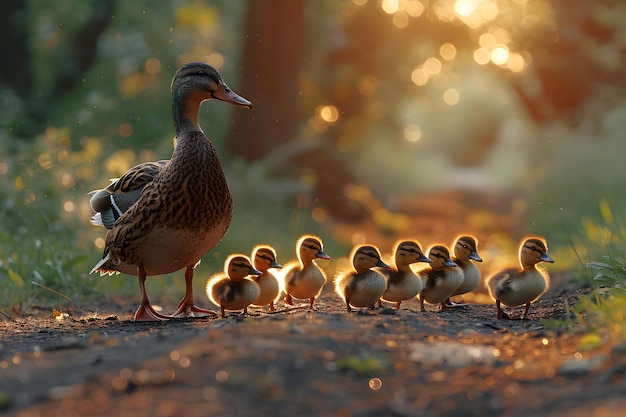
324	363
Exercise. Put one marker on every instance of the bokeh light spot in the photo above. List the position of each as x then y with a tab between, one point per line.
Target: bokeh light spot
482	56
153	66
447	51
390	6
451	96
328	113
375	384
412	133
465	7
500	55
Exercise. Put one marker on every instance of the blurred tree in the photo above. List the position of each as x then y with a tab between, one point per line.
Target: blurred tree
74	53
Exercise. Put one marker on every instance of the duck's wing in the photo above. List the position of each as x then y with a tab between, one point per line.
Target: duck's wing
113	201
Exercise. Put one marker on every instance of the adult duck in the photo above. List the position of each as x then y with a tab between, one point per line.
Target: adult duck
169	214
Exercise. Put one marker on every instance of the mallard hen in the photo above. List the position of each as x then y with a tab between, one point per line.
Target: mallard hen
516	286
181	208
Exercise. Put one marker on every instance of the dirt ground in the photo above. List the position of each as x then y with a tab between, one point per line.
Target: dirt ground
384	362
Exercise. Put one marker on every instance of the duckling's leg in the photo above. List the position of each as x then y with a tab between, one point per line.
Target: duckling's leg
421	297
272	309
348	307
288	299
501	313
524	315
145	312
222	312
398	305
311	301
186	308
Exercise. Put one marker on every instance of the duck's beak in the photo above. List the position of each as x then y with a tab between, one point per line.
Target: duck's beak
224	93
424	258
322	255
474	255
254	271
382	264
275	264
546	258
449	262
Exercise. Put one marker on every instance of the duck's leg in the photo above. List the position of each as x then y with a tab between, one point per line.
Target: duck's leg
145	312
311	301
272	308
186	307
398	305
222	312
422	302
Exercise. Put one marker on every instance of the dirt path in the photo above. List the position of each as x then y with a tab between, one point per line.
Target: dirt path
326	363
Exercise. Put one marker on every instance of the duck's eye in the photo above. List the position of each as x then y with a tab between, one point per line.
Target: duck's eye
464	246
313	247
201	72
438	255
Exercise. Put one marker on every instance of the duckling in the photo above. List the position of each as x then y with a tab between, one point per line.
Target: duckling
402	282
232	289
441	280
264	258
514	287
363	286
464	252
170	213
302	278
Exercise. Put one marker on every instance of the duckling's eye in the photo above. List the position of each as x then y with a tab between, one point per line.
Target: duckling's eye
463	245
241	265
312	247
370	254
533	248
438	255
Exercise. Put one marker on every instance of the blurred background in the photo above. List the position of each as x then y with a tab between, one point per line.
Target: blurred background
374	120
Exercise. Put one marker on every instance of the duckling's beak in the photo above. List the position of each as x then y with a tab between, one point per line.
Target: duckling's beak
322	255
382	264
226	94
474	255
254	271
449	262
546	258
424	258
275	264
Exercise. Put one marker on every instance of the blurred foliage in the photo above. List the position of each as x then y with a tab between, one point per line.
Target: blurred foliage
391	100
